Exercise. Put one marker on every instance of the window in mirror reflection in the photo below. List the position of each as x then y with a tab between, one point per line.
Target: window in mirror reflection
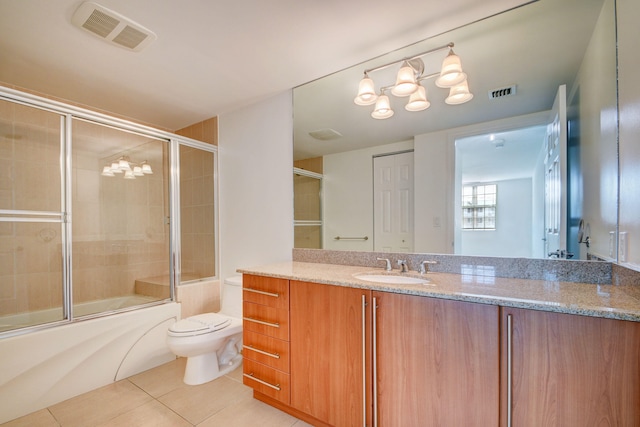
479	206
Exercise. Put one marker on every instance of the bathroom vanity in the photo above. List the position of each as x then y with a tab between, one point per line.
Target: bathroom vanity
336	350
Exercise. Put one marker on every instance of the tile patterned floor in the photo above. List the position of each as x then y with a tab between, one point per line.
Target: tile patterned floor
159	398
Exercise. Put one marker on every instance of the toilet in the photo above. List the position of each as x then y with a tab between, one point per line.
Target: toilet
211	342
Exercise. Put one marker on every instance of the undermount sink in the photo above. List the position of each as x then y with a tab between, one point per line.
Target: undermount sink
391	278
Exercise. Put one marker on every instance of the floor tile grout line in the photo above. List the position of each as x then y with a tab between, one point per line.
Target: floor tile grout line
160	402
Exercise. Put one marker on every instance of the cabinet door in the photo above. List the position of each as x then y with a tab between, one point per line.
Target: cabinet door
570	370
437	362
327	351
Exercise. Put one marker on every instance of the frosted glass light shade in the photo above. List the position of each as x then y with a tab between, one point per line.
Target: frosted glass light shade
383	108
137	171
146	169
418	100
451	72
129	175
405	81
459	94
366	92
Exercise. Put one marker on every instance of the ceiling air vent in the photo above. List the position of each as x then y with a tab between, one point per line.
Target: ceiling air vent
325	134
502	92
112	27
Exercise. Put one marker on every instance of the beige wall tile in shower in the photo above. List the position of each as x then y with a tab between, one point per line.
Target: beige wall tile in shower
199	297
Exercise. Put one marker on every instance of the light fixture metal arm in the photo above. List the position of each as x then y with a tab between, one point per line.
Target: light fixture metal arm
409	58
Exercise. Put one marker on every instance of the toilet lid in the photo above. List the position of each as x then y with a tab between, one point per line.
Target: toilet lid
200	324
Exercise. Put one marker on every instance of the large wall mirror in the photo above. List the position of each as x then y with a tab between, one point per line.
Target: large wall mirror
526	168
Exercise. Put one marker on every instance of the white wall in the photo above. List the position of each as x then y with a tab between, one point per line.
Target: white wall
512	236
434	187
347	189
256	184
628	12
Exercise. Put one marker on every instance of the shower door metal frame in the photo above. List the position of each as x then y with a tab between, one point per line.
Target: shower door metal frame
68	113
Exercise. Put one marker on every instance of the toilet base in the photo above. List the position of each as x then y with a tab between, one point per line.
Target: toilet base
209	366
204	368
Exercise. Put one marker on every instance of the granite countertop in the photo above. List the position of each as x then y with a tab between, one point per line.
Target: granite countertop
620	302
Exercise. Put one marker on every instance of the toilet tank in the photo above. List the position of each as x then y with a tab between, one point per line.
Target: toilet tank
231	304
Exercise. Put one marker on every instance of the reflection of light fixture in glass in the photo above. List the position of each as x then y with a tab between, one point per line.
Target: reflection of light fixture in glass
418	100
130	169
124	164
408	83
383	108
459	94
107	171
146	168
115	167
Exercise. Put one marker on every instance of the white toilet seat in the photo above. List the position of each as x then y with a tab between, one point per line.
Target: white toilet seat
199	325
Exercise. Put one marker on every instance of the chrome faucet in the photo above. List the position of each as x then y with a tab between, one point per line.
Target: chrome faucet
403	266
388	263
424	266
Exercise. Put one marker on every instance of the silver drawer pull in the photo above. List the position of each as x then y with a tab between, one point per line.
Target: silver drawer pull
262	322
266	353
256	291
275	387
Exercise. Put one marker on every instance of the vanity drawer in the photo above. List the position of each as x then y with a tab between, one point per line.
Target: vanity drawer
266	350
265	320
268	291
266	380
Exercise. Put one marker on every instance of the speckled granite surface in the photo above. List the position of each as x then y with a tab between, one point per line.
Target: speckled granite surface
597	272
477	285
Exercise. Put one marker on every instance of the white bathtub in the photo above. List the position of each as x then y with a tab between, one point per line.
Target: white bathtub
48	366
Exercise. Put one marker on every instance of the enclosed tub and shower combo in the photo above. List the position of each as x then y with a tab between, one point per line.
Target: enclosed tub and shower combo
100	220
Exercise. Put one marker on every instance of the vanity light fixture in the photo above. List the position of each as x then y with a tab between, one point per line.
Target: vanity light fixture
125	165
409	83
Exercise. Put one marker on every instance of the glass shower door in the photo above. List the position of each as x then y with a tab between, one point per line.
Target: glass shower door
197	214
31	216
120	219
307	210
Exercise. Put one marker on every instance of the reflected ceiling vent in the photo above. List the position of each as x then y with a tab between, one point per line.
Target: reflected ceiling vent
502	92
112	27
325	134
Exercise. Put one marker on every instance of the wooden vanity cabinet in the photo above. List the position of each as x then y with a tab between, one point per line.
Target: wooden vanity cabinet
265	336
437	362
569	370
329	344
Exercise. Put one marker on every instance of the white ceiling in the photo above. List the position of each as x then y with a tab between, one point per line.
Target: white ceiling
500	156
537	47
210	57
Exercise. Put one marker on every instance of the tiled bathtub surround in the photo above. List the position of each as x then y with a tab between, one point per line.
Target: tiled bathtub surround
596	272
